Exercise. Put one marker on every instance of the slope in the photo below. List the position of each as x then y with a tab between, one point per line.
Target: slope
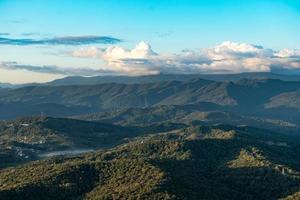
30	138
218	162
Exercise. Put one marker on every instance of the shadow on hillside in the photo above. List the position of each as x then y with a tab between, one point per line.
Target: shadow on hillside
67	185
207	176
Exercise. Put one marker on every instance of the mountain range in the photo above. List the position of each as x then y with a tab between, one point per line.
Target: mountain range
152	137
263	98
95	80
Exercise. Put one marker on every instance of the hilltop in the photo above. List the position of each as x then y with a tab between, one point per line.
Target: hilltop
30	138
197	162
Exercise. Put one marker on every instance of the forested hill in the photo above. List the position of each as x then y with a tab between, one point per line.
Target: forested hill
250	97
31	138
197	162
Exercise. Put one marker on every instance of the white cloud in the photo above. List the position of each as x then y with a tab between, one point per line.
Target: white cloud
288	53
228	57
141	51
87	52
233	50
133	61
48	69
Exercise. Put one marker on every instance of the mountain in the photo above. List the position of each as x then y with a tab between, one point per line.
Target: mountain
188	139
246	97
72	100
3	89
79	80
6	85
96	80
202	114
197	162
30	138
288	100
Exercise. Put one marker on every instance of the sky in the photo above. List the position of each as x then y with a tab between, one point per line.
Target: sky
42	40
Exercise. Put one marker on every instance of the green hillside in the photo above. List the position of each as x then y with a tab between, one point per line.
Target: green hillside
29	138
244	97
198	162
202	114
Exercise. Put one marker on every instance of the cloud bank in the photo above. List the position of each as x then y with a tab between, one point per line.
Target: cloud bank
54	69
227	57
68	40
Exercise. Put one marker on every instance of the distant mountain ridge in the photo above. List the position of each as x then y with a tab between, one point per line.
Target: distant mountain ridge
6	85
244	97
202	113
77	80
95	80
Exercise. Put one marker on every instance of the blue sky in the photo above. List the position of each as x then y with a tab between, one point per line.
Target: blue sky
169	26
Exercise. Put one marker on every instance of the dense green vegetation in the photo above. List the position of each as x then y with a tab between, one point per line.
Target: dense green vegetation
197	162
31	138
25	139
152	137
201	114
252	98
